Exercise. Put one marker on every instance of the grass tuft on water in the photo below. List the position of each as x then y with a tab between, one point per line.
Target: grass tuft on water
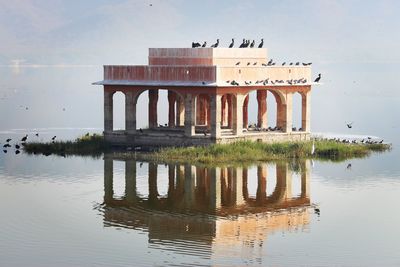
242	151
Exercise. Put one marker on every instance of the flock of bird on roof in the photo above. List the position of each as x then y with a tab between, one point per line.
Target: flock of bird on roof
18	146
244	44
247	43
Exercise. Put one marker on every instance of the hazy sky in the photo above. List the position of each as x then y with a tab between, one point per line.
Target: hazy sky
97	32
354	44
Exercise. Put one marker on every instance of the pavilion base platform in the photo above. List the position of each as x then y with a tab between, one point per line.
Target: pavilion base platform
155	138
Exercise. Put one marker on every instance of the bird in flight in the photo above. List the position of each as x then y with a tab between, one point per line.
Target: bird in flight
349	125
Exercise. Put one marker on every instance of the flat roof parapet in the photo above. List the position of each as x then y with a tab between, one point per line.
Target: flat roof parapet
206	56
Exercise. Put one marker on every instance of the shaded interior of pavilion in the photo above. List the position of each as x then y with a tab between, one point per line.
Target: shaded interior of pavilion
201	112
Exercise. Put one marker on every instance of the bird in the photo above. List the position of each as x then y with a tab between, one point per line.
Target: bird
349	125
140	130
17	146
255	63
252	44
6	145
232	43
317	211
291	63
53	138
37	134
348	166
261	44
216	44
264	64
205	132
297	63
284	63
318	78
17	152
194	45
248	63
5	151
204	45
8	140
141	164
24	138
228	81
237	63
243	43
203	82
270	62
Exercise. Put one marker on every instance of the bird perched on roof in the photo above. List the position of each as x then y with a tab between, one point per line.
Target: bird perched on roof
243	43
297	63
252	44
232	43
204	44
248	63
318	78
237	63
284	63
216	44
261	44
194	45
270	62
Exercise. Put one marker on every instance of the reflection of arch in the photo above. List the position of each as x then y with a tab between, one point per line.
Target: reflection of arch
210	190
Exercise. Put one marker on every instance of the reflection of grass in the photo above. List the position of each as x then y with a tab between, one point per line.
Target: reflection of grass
252	151
244	151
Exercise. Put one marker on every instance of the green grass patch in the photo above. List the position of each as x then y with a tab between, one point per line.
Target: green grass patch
239	152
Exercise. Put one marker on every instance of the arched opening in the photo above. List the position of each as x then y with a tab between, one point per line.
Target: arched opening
297	112
118	111
271	110
202	113
265	111
159	109
228	108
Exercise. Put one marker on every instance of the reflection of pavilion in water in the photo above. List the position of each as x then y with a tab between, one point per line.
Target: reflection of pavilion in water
205	205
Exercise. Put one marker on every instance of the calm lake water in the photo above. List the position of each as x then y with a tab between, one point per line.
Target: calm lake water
82	211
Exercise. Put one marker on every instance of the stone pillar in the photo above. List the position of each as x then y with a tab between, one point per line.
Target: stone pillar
130	181
190	172
207	114
305	111
239	185
305	179
245	112
223	110
283	182
180	111
130	112
171	109
153	99
215	187
190	115
153	191
108	180
238	115
215	104
171	182
262	108
108	111
230	111
261	194
288	122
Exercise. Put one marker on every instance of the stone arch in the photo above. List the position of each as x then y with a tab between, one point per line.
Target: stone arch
172	102
118	110
261	110
297	112
203	110
228	110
